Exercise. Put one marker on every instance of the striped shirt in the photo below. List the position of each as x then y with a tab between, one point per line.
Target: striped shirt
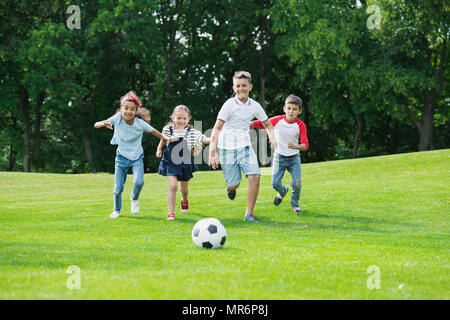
194	137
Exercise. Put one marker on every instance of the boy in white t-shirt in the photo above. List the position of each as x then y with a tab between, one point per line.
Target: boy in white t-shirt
288	131
231	137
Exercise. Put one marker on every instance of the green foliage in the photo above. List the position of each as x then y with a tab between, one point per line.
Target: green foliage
185	52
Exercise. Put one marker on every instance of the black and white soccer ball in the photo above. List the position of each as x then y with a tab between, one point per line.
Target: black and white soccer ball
209	233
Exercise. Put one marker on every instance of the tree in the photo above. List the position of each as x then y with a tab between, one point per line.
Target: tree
414	36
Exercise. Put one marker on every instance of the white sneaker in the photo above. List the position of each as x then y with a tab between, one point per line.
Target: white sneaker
114	215
134	206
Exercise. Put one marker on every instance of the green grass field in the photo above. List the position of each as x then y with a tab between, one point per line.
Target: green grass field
391	212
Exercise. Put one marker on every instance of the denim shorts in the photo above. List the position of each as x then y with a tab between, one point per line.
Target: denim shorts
234	160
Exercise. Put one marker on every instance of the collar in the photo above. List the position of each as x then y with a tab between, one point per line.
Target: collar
284	117
239	101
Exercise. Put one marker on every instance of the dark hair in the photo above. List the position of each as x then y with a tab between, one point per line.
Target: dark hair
132	97
141	113
294	100
243	75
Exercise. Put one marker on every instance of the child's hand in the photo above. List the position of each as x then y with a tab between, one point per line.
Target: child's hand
291	145
166	138
213	160
108	124
159	153
173	139
273	143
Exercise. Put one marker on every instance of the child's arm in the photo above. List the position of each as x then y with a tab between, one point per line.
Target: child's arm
104	123
163	139
162	136
269	128
159	149
213	160
301	147
256	124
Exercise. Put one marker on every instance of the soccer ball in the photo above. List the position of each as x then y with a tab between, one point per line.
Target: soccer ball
209	233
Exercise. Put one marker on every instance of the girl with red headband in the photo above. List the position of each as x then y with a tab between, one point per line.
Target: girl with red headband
129	125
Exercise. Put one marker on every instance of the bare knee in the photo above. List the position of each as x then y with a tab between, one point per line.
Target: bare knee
173	187
254	179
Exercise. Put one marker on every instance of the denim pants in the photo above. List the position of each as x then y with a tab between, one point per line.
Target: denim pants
293	165
121	168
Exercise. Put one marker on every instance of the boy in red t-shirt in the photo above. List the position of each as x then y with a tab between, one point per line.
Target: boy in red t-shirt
288	131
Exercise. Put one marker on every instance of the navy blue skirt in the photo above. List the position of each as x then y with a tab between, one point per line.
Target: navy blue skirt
182	171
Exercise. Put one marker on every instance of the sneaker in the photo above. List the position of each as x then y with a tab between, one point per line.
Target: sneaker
184	206
251	217
279	197
231	194
297	210
134	206
114	215
171	216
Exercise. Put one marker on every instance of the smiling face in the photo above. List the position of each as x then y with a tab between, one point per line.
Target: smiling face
180	119
128	110
242	88
291	110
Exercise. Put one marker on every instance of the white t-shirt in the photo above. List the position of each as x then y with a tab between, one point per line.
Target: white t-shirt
237	117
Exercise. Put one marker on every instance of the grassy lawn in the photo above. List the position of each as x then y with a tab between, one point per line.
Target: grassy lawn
391	212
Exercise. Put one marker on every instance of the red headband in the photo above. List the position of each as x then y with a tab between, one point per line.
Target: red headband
135	99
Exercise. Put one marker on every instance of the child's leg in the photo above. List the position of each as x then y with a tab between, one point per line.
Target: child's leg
172	194
252	193
248	162
296	183
138	178
184	188
230	168
120	176
278	169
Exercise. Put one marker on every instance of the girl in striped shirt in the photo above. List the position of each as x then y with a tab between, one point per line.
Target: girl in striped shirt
177	162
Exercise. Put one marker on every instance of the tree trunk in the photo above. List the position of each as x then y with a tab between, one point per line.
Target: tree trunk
357	134
37	133
426	126
25	110
169	67
88	151
12	158
262	79
86	137
170	53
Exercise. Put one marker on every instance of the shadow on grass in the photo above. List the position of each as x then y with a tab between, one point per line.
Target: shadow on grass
308	220
364	220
